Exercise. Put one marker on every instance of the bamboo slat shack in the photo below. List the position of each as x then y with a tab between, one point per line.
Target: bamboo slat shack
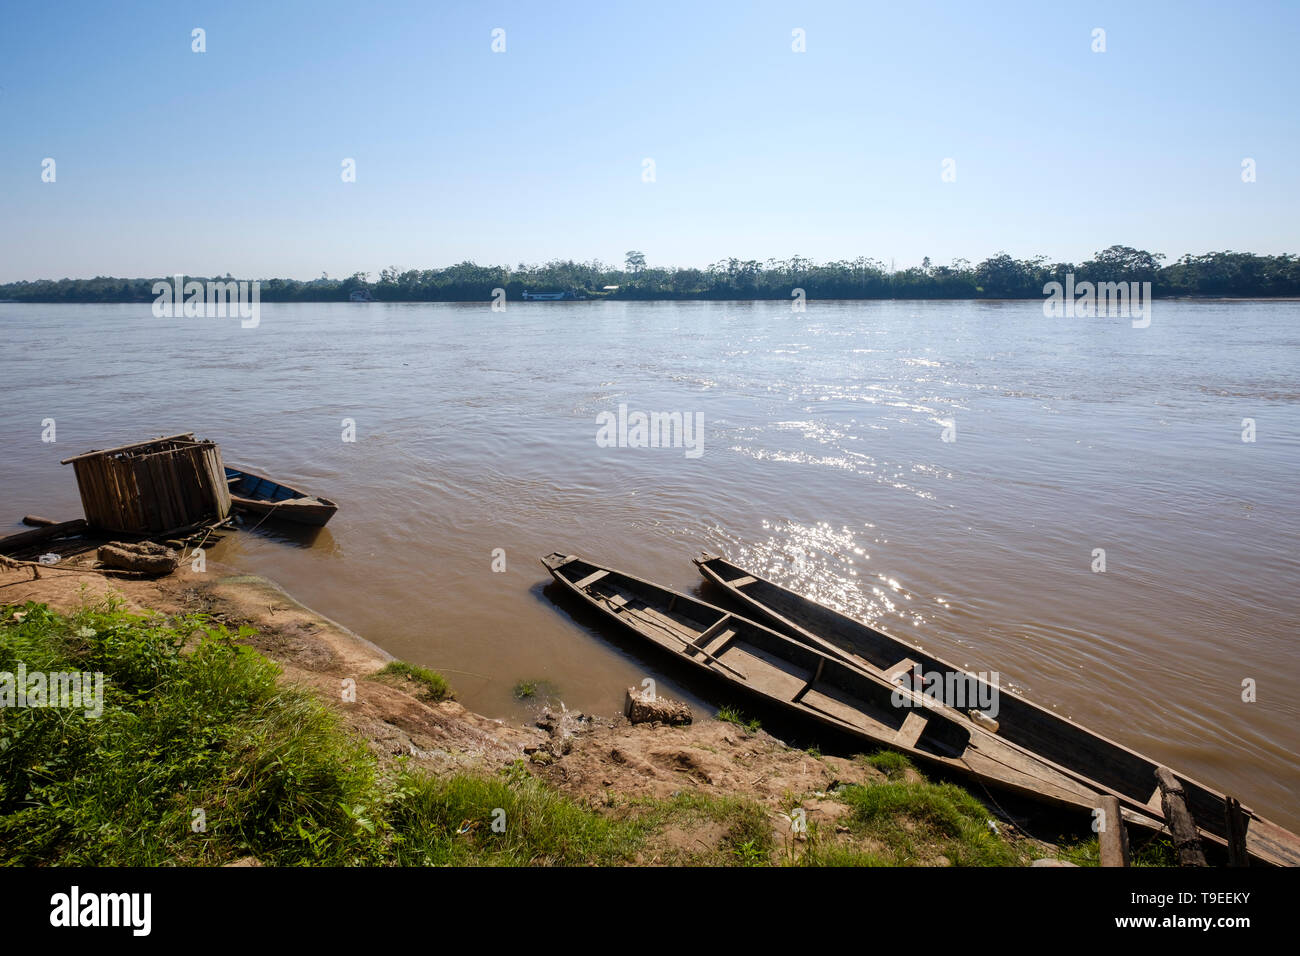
154	486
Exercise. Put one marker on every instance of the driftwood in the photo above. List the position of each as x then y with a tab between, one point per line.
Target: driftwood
24	539
144	556
1187	842
1112	837
641	708
36	521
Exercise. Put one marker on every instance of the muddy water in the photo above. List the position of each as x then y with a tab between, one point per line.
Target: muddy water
823	464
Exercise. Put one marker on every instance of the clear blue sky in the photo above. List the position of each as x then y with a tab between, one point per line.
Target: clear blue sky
229	161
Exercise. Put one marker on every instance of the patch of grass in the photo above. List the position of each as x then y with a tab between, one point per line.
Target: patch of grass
528	689
733	716
917	823
433	686
746	838
842	855
889	762
1081	852
1154	849
499	821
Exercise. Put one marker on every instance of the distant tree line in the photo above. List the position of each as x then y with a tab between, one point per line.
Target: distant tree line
998	277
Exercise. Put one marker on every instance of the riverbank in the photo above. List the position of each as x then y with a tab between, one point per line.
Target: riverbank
1223	273
713	792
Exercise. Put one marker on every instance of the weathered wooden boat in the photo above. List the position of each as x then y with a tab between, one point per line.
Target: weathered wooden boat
259	495
1109	766
823	687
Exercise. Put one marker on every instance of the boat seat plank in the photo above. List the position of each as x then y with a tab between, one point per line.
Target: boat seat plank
708	633
911	730
741	582
894	673
814	699
589	580
816	676
715	646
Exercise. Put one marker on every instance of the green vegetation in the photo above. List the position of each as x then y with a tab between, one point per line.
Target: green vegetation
889	762
732	716
433	686
744	834
198	757
195	721
1144	850
528	689
1000	276
449	821
898	823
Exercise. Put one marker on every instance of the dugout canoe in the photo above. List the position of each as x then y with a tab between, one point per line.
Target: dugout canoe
816	685
1112	767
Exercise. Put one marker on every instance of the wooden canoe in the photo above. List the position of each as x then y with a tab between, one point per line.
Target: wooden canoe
824	688
1111	766
259	495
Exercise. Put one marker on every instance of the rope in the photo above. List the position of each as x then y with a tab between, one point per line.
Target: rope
265	516
14	562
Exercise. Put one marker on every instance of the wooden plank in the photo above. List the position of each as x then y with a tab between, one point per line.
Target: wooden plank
1112	837
589	580
816	676
1187	842
212	455
187	436
898	670
910	732
741	582
1234	819
708	632
719	641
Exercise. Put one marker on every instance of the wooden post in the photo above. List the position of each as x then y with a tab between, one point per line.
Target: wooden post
1235	821
1112	838
1187	841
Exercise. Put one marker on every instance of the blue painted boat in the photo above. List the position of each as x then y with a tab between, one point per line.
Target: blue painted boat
260	495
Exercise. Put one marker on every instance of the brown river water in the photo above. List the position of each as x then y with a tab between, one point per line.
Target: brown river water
821	463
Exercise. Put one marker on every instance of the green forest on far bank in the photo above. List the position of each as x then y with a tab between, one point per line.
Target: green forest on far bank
1001	276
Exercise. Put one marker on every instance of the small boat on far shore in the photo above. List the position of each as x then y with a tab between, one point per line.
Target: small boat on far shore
258	495
569	296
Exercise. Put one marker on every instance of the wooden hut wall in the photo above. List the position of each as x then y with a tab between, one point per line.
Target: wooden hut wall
154	486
